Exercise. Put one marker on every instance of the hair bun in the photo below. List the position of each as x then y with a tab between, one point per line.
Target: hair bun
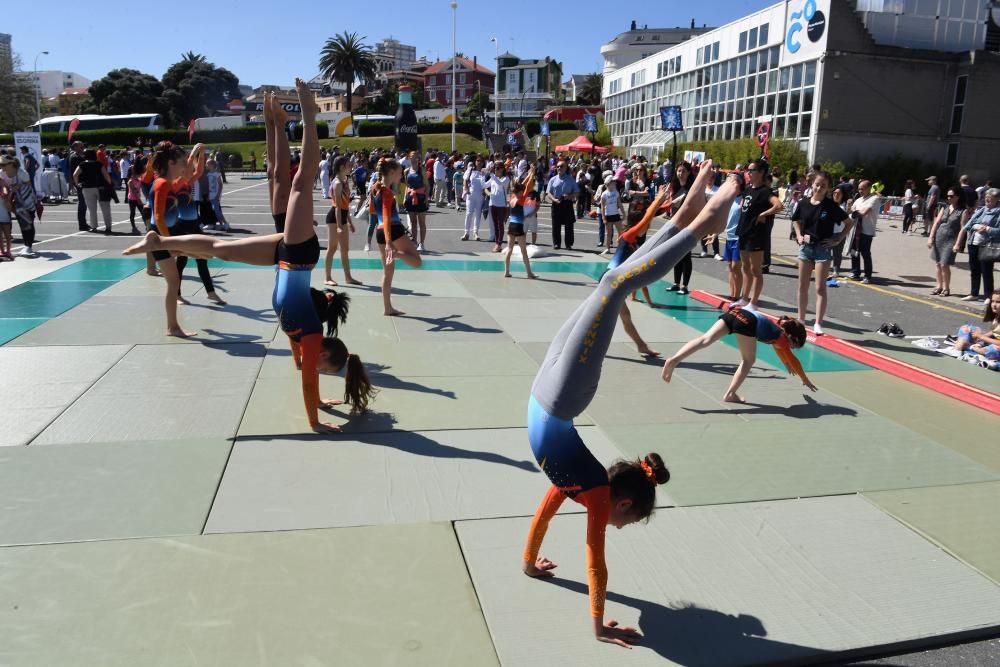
655	462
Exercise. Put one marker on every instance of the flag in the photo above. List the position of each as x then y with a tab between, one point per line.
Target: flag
73	124
191	130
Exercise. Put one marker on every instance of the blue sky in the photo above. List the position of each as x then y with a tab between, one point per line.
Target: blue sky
272	42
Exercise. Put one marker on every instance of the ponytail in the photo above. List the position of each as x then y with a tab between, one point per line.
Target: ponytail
637	481
164	153
358	389
331	307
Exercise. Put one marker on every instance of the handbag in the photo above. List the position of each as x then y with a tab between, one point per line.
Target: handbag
990	252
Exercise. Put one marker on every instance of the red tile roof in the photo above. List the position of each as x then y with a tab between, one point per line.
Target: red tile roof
445	65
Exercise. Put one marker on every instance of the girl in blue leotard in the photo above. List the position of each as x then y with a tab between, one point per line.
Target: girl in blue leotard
749	326
302	311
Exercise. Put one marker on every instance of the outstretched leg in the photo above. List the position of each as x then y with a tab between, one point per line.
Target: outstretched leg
299	221
715	332
257	250
569	375
279	162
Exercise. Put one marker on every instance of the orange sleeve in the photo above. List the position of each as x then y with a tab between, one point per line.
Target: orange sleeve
161	190
598	504
631	234
296	353
311	345
529	184
788	358
387	203
540	524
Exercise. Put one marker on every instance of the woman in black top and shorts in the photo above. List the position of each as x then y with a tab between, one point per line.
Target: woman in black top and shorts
814	220
759	203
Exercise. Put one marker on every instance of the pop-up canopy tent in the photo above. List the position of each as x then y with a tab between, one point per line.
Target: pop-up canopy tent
581	145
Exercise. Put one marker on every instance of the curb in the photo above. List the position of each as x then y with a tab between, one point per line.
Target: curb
960	391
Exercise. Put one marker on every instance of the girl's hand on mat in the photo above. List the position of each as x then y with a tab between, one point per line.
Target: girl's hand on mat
332	402
542	567
323	427
610	633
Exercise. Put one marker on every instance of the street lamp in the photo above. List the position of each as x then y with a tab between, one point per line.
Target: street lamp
38	108
496	90
454	61
521	114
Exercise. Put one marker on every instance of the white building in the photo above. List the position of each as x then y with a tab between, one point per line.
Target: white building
51	83
837	76
401	55
638	43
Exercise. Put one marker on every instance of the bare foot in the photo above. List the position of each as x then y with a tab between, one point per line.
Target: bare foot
155	274
507	275
392	312
705	176
353	281
181	333
668	369
212	296
307	101
331	282
647	351
733	397
278	112
149	243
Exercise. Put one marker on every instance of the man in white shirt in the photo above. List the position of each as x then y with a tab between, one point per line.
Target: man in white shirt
865	212
441	180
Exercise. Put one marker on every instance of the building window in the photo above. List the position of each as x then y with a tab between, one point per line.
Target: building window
958	111
743	41
461	77
952	158
763	35
715	52
752	39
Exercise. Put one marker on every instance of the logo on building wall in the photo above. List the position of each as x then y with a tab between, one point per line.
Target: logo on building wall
810	19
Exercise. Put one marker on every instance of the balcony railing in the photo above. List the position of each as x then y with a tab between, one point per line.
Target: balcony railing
517	96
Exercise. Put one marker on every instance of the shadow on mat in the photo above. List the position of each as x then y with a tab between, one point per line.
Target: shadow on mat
256	314
236	345
404	441
383	380
376	288
698	637
811	409
719	368
53	255
448	323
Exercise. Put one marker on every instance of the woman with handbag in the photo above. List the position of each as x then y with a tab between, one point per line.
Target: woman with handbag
984	244
93	178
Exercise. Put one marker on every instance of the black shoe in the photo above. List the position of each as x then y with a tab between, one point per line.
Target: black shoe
556	247
683	290
894	331
765	269
674	288
883	330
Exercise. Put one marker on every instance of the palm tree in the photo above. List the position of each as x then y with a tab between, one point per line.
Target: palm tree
590	91
192	57
347	58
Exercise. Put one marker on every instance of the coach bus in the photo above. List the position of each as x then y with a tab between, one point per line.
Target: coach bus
132	121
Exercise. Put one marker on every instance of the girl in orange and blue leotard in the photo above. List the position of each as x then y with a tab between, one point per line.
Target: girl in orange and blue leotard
302	311
339	226
390	234
564	387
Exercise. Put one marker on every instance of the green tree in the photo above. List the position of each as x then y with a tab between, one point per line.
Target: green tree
194	87
123	91
590	92
17	98
348	59
387	101
478	103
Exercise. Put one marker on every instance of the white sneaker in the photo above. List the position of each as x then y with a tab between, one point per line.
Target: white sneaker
420	247
703	254
749	306
718	257
25	252
367	248
818	330
737	304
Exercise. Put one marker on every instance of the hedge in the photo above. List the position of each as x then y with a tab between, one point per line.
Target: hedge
127	137
376	129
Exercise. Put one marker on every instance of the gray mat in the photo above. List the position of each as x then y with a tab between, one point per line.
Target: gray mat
753	584
39	383
361	596
101	491
164	393
382	478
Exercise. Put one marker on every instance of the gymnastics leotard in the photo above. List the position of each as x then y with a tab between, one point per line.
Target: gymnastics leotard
758	325
292	302
565	386
383	205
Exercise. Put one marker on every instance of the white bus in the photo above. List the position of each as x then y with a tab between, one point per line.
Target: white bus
133	121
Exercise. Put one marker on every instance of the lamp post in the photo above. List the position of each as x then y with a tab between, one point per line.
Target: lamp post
38	108
526	90
496	90
454	60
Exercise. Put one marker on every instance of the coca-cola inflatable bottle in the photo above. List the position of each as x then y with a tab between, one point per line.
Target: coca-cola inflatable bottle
407	138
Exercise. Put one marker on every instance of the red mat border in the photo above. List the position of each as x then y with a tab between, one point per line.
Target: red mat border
961	391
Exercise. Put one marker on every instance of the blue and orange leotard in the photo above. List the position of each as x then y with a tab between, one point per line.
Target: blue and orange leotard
760	326
577	474
383	205
173	201
292	302
525	204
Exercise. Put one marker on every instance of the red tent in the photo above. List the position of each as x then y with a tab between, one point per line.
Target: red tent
581	145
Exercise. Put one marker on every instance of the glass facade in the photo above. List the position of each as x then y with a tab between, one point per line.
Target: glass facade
721	100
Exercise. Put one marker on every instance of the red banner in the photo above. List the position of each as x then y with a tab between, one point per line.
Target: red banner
73	124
